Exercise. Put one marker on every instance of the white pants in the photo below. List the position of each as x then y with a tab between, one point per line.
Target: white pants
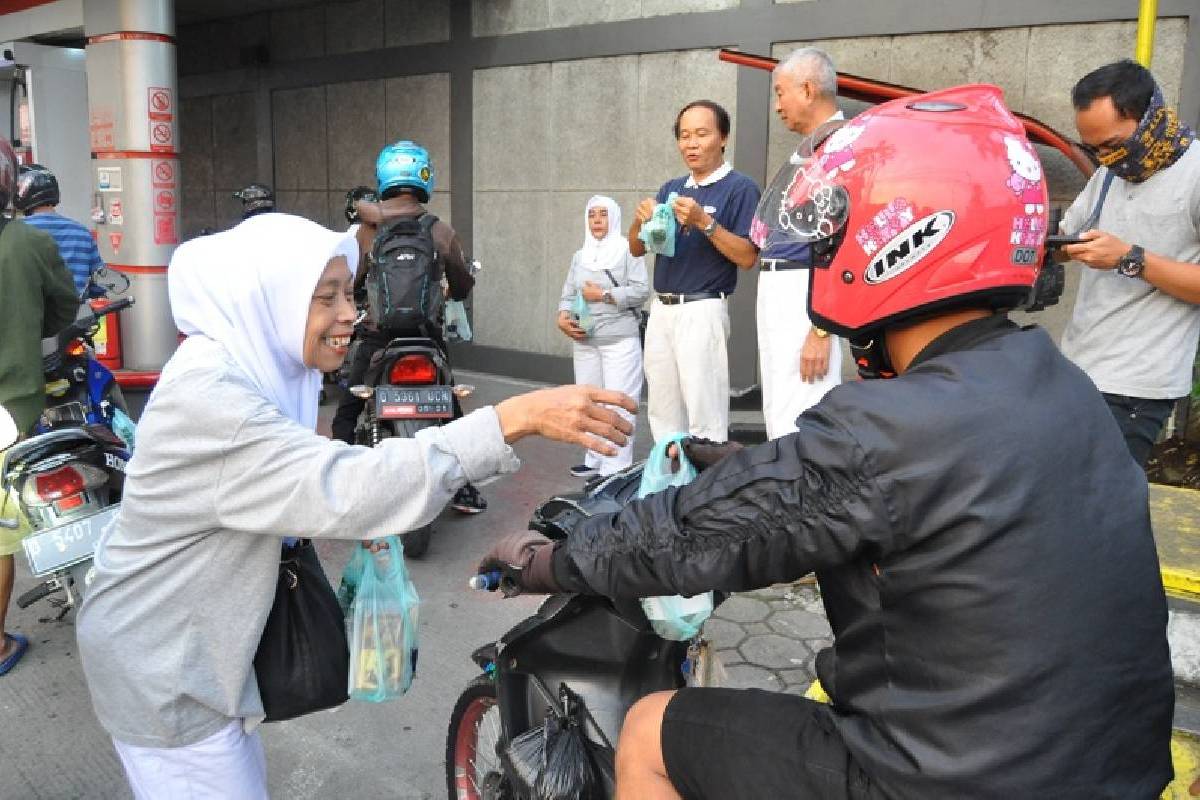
687	368
229	765
616	366
783	325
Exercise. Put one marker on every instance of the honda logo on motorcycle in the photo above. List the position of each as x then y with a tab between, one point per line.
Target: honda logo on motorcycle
909	246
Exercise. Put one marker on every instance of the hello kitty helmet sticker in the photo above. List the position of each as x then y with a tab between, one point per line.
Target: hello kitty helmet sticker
803	204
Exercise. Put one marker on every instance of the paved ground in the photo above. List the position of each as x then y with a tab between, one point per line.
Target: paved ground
52	747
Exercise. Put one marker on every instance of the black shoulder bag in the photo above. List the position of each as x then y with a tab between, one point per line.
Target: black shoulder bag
643	316
303	660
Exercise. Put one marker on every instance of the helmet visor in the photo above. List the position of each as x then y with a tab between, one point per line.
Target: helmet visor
802	205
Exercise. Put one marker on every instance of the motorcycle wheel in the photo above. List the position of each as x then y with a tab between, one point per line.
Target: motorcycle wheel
473	769
416	543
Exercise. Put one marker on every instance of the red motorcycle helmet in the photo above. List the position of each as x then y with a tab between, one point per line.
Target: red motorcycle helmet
917	206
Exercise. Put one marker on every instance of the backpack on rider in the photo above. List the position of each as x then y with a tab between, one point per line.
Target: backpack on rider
404	286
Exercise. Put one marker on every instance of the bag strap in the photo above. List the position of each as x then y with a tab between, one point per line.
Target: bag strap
1091	221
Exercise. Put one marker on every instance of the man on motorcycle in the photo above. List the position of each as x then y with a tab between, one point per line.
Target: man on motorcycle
405	178
37	298
979	531
257	198
38	197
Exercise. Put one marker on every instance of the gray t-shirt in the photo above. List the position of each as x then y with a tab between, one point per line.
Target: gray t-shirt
1129	337
186	574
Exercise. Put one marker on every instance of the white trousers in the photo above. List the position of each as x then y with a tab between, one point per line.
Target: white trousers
616	366
229	765
687	369
783	325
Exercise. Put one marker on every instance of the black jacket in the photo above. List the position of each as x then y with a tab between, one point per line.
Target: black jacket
982	540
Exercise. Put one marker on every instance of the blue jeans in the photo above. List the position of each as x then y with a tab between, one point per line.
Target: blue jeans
1140	421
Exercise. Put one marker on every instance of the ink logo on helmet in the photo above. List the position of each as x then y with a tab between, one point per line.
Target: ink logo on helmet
908	247
425	174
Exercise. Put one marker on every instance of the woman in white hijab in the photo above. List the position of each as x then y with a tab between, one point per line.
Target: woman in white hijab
615	286
228	463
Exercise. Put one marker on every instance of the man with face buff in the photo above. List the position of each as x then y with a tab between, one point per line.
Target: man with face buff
1137	315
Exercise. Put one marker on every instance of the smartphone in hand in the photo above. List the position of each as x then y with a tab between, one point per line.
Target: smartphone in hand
1062	240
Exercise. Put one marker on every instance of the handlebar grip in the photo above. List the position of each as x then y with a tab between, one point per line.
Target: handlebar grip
112	308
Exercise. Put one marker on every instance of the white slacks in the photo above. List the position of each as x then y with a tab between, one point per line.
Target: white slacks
782	315
687	368
616	366
229	765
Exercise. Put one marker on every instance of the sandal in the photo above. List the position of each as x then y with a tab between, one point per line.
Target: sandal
22	644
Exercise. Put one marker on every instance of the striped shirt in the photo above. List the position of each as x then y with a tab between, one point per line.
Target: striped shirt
75	244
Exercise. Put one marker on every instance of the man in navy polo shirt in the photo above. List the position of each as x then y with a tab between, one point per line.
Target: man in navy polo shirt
798	362
686	361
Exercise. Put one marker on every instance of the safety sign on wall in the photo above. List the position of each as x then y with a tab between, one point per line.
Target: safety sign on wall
114	239
165	230
160	104
116	215
162	136
102	124
108	179
162	175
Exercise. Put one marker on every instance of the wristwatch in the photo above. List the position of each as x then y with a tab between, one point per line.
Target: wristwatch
708	229
608	298
820	333
1132	263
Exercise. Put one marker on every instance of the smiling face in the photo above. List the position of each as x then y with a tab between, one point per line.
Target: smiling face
700	140
331	315
597	217
1101	127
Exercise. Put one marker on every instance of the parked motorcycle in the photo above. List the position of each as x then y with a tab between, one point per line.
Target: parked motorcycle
573	669
65	482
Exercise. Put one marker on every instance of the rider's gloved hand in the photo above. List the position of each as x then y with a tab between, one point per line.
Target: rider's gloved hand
703	453
523	560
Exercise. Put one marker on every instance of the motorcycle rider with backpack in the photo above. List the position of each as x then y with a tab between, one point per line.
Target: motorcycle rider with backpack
405	179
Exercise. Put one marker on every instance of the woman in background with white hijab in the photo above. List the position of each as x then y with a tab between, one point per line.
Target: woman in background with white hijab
614	284
228	463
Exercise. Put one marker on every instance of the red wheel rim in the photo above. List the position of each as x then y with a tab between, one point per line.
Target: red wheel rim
465	747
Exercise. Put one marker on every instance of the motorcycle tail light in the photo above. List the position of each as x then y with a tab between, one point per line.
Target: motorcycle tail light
75	348
413	369
62	486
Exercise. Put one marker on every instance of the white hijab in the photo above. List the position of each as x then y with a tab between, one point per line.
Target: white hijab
609	252
249	289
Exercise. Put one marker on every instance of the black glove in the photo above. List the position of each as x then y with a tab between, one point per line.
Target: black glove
523	560
703	453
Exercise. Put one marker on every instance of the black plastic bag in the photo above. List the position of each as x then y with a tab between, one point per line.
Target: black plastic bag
553	761
303	660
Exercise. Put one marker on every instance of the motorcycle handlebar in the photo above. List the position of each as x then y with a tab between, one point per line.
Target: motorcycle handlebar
112	308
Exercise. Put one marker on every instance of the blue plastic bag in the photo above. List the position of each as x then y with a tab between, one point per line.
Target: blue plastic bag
672	616
383	627
658	234
458	327
582	313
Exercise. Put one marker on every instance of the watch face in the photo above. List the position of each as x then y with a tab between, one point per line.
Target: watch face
1132	263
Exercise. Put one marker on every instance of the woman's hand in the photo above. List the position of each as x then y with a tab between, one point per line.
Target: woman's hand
592	292
568	325
572	414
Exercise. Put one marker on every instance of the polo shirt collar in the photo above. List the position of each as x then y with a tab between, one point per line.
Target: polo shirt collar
795	157
717	174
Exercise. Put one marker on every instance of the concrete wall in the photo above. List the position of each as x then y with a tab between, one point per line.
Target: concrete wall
548	136
530	106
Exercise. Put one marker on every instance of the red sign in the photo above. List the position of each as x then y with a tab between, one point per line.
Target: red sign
101	127
162	137
164	175
160	105
164	228
114	239
164	200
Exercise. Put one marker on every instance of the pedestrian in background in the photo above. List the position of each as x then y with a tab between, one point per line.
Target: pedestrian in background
613	282
1136	319
687	362
38	197
798	361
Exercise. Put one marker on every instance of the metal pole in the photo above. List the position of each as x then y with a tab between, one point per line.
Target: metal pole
1147	15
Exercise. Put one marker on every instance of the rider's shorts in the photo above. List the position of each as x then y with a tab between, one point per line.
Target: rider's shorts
10	540
750	744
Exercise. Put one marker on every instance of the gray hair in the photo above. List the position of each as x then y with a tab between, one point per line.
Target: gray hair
811	64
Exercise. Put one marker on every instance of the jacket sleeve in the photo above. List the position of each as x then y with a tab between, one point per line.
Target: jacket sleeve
567	300
458	276
60	303
767	514
636	289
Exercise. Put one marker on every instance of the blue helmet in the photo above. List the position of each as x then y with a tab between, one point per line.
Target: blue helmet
405	164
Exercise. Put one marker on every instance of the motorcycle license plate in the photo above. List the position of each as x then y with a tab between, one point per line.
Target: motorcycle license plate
414	402
57	548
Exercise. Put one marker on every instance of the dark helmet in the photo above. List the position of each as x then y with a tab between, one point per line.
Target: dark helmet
356	194
257	198
36	186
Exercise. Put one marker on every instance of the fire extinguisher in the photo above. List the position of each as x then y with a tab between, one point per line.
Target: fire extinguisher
107	339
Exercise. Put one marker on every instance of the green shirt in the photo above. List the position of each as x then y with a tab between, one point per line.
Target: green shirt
37	299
